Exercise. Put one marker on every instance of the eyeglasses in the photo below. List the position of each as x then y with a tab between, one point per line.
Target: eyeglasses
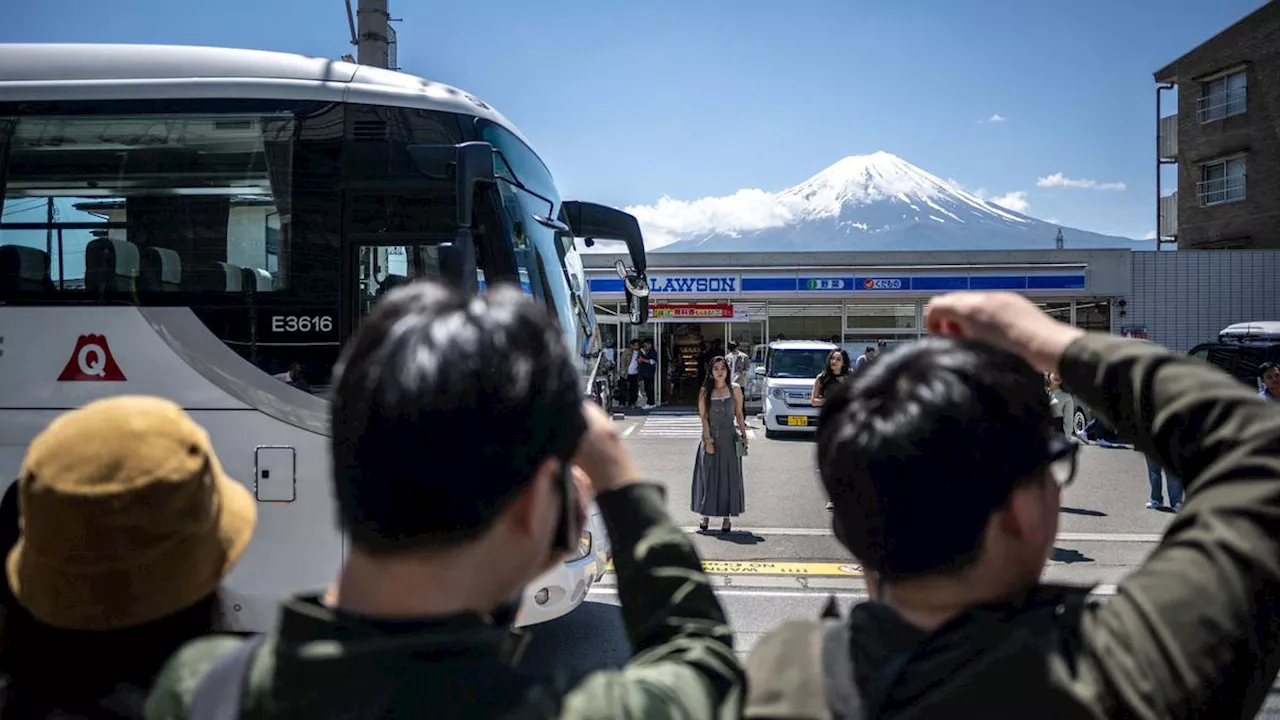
1061	460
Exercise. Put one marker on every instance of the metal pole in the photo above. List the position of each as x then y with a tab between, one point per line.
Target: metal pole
373	25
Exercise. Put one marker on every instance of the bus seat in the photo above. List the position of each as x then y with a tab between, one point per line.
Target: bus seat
214	276
161	270
257	280
24	268
111	265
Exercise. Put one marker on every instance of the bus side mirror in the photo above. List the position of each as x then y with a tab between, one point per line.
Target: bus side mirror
469	165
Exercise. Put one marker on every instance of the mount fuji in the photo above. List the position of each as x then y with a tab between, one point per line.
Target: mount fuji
882	202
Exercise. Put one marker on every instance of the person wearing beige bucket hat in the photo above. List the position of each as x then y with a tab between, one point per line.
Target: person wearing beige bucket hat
128	525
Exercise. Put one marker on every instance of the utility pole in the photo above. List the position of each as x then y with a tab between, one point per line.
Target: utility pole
1058	242
373	26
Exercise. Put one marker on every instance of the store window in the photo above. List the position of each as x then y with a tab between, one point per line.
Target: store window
888	317
1060	311
805	322
1094	315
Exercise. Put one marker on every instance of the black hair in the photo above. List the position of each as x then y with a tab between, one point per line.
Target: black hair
1264	367
826	376
922	446
709	382
445	405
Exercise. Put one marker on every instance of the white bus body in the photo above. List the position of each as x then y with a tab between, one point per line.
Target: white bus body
189	222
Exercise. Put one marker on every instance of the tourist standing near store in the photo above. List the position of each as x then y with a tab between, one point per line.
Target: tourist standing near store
836	371
717	468
647	368
629	367
738	365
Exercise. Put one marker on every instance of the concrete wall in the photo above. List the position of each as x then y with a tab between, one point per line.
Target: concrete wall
1186	297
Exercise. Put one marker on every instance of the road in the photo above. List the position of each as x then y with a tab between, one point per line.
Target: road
781	560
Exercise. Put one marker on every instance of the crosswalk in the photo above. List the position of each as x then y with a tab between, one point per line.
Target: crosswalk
673	426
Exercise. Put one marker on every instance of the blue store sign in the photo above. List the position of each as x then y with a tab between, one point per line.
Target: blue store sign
693	284
882	283
826	284
726	285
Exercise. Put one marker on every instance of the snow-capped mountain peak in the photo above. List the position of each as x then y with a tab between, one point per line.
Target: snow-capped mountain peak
862	202
865	179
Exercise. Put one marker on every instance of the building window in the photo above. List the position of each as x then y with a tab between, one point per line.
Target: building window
1221	182
1222	97
880	317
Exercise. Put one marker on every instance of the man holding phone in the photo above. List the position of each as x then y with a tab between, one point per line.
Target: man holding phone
464	457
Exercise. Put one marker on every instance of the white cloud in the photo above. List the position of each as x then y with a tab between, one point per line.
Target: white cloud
1151	235
997	118
670	220
1015	201
1060	180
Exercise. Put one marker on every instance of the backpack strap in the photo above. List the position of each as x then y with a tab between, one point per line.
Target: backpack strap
843	699
218	695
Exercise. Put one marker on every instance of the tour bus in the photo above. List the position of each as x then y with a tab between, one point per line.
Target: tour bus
209	225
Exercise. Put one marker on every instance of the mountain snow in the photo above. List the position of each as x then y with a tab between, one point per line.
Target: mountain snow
882	202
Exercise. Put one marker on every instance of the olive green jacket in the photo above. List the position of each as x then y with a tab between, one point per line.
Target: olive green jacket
1193	632
321	663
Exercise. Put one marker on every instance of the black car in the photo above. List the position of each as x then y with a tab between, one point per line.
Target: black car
1238	351
1241	348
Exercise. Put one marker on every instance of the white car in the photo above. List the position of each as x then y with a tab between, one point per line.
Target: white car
791	366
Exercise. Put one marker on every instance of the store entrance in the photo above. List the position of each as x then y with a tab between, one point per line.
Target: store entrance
687	349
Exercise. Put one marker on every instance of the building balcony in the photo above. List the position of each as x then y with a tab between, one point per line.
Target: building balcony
1168	140
1219	105
1220	190
1169	216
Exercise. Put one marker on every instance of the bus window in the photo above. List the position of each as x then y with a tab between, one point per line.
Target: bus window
532	237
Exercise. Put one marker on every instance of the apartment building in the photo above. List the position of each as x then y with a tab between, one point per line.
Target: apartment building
1224	139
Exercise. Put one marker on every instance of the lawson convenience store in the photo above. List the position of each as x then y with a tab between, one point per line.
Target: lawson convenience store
701	301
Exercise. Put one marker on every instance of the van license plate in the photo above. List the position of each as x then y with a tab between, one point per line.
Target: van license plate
797	420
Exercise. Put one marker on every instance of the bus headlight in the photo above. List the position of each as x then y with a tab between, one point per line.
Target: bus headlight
584	547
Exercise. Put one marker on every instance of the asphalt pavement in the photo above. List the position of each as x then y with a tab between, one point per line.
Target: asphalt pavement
781	561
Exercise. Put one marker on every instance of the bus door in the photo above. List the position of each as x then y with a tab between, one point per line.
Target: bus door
379	266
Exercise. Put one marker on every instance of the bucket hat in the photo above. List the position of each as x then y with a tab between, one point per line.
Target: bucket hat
126	517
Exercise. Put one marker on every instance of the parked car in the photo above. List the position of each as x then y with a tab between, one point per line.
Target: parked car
1241	348
791	366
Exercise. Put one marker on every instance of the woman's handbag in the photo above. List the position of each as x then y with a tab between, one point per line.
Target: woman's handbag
740	446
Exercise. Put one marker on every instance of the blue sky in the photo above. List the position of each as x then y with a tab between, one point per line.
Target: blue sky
632	101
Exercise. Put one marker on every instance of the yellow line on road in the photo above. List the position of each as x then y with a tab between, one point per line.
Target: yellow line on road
751	567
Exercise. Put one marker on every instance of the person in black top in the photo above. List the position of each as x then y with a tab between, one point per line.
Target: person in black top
837	370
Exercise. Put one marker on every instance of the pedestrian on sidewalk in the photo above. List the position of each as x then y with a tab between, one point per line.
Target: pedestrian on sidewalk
718	488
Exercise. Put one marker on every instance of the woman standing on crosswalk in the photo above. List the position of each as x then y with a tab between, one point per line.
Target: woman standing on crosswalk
717	468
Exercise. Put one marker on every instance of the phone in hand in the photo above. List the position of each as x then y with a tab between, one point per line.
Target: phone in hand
568	529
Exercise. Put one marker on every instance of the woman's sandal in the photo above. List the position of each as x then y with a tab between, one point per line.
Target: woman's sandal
727	526
702	526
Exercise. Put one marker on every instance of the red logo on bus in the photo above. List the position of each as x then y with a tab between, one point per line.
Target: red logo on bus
91	360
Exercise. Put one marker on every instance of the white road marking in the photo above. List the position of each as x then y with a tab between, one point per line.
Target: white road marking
629	430
1151	538
1098	590
675	426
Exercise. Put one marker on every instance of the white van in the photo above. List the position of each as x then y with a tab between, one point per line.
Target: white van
791	366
